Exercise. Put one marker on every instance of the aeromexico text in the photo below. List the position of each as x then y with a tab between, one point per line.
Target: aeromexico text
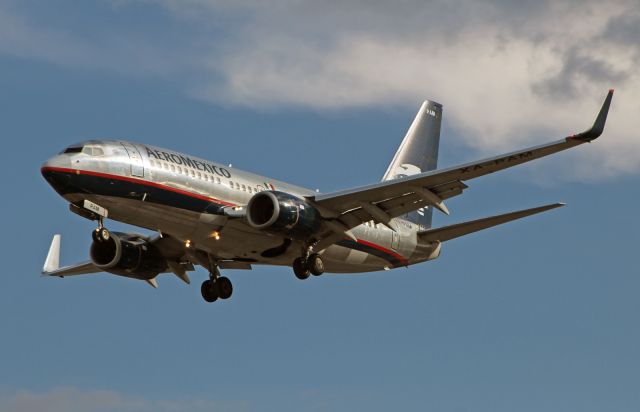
187	161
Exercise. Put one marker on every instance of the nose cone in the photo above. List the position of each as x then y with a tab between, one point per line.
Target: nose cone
57	173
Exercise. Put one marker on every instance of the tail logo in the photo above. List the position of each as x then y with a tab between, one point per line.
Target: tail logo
405	170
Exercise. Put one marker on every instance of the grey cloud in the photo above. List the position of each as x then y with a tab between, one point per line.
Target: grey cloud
576	67
624	30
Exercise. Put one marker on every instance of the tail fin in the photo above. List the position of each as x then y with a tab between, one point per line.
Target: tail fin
418	153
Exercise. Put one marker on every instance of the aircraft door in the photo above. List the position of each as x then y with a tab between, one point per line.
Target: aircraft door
137	167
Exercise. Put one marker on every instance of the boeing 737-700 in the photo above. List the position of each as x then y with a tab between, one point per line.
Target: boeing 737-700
223	218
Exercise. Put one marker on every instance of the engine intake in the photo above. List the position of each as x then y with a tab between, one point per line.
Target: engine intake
128	255
283	214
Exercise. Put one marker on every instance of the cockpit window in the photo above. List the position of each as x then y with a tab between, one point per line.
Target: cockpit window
73	149
93	151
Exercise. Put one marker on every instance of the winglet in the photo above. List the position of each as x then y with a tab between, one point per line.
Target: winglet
598	126
53	257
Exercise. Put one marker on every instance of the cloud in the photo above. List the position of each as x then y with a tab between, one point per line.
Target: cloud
509	73
69	399
102	49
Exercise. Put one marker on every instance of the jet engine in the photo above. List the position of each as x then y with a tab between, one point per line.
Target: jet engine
283	214
128	255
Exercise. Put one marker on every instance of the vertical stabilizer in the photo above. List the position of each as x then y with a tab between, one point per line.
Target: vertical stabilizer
418	153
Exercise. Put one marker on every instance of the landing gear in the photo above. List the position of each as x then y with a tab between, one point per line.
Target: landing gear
300	269
216	287
225	288
312	264
209	291
315	264
101	233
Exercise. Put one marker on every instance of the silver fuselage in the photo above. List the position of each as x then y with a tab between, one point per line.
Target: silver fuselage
184	197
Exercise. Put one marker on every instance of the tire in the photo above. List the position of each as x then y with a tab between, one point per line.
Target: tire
209	291
103	234
300	269
315	265
225	288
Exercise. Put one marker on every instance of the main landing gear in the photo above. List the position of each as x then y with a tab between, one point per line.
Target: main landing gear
216	287
309	265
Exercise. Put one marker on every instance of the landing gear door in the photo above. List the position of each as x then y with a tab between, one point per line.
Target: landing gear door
137	168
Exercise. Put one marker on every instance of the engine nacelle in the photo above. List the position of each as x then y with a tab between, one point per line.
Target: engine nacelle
128	255
283	214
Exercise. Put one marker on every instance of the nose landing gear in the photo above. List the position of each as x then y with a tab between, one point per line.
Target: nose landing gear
101	233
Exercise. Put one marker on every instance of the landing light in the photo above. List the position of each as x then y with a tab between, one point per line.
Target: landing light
187	243
215	234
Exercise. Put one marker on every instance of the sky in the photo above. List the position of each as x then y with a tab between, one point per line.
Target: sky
539	314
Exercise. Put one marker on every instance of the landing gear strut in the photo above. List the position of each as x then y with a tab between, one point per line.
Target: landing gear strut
216	287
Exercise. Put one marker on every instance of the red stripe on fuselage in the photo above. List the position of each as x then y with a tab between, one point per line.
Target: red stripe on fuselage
137	181
385	250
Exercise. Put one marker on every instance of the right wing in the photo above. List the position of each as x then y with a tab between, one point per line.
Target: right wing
385	200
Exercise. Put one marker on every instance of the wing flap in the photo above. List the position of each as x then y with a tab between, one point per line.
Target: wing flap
445	233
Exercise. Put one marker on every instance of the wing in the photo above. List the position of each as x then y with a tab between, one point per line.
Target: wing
52	263
170	248
442	234
386	200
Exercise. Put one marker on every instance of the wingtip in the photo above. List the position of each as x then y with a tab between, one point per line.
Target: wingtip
52	262
598	126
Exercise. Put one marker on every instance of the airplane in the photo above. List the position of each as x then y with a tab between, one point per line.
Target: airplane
204	213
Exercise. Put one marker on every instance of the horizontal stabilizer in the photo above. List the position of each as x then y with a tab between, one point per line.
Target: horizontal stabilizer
445	233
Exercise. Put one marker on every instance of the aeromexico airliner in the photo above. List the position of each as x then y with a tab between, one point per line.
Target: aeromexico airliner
223	218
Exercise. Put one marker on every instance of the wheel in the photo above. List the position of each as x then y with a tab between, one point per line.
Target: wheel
225	288
315	265
209	291
102	234
300	269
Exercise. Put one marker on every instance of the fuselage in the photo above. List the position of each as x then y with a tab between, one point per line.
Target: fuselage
185	197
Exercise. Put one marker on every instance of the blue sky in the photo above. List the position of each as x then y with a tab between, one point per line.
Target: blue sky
540	314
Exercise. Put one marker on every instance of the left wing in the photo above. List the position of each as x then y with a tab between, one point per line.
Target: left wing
169	247
386	200
52	263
